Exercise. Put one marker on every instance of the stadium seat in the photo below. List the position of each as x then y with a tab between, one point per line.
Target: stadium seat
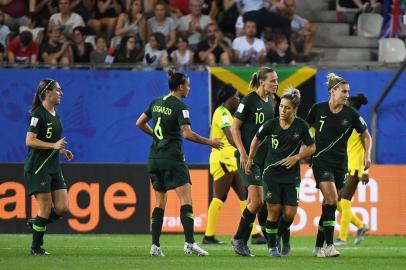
369	25
391	50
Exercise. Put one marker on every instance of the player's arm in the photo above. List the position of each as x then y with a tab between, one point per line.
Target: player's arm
190	135
236	133
290	161
142	123
229	136
253	151
32	141
366	142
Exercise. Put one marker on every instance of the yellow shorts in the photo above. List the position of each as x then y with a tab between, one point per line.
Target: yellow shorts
219	166
357	172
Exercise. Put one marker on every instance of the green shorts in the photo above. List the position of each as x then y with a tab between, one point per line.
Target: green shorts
281	193
167	174
44	182
255	178
323	174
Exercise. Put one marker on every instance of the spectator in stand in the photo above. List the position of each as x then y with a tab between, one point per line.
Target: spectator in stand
30	25
87	10
42	10
162	24
303	32
248	48
155	52
80	49
228	17
179	7
249	5
99	55
133	23
66	18
213	49
192	25
373	6
23	49
53	51
107	12
282	53
129	51
4	30
14	11
182	55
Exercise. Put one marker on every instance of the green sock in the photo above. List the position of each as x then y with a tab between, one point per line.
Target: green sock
156	224
39	228
245	226
271	232
187	219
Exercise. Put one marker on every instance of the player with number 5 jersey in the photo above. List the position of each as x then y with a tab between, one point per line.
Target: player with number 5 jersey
166	162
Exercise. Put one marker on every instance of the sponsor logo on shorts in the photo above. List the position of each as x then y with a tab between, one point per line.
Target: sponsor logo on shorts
268	196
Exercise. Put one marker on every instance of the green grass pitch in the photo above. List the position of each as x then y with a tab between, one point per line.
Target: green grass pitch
132	252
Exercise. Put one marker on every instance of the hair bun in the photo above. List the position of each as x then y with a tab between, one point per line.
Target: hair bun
362	98
171	71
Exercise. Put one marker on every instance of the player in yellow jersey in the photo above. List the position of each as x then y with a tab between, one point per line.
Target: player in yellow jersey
223	164
356	173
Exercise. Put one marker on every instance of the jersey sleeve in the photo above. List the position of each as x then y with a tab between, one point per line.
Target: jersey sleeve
359	123
307	137
263	131
225	120
36	122
242	111
311	117
148	111
183	115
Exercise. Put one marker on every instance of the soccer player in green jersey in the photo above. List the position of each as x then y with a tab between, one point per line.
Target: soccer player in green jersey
281	177
333	122
42	171
166	162
253	111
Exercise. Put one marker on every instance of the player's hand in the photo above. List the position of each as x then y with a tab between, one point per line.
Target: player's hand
59	145
367	162
243	160
365	178
216	143
68	154
290	161
248	166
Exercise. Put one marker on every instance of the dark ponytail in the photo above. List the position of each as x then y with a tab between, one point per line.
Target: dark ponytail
175	79
357	101
43	86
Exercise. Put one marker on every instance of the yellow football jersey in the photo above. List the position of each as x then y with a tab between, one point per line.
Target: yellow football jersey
222	118
355	152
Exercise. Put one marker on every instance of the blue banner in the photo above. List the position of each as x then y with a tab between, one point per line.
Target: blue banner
391	135
98	111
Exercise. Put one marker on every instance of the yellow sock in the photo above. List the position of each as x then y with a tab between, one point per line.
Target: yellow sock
243	205
345	219
356	221
213	213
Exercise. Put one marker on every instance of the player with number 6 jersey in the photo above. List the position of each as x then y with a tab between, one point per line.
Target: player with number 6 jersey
166	162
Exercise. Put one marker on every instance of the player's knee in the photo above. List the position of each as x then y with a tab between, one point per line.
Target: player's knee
62	208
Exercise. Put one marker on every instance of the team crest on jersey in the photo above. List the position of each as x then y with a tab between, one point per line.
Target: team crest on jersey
296	136
344	122
34	121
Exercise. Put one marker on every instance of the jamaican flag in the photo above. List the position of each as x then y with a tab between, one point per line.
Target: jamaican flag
300	77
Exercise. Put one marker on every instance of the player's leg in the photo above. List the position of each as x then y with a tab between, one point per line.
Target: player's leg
157	218
272	228
221	187
184	193
40	223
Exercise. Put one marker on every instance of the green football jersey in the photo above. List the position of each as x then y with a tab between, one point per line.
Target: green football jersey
281	144
253	112
168	114
332	133
48	128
